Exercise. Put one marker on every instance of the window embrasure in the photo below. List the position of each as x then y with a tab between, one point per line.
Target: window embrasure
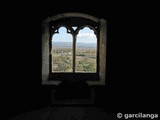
74	48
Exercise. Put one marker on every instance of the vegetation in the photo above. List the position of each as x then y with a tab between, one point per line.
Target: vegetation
85	66
62	60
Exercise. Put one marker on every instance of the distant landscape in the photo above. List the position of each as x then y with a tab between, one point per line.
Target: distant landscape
62	57
69	44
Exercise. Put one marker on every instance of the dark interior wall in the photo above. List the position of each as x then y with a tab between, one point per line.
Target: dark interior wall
131	83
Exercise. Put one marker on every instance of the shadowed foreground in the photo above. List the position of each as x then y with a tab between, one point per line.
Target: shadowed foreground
65	113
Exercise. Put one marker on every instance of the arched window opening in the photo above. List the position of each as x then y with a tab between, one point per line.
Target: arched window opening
62	49
86	51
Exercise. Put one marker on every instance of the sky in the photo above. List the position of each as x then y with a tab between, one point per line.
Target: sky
85	35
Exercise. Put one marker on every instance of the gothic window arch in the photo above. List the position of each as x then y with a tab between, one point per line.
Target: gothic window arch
74	48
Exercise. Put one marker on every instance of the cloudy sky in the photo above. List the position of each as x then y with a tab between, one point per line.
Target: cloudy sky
86	35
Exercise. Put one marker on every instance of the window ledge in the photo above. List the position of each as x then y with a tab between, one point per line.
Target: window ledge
90	83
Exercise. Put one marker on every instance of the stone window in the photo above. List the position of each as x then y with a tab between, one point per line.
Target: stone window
74	49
